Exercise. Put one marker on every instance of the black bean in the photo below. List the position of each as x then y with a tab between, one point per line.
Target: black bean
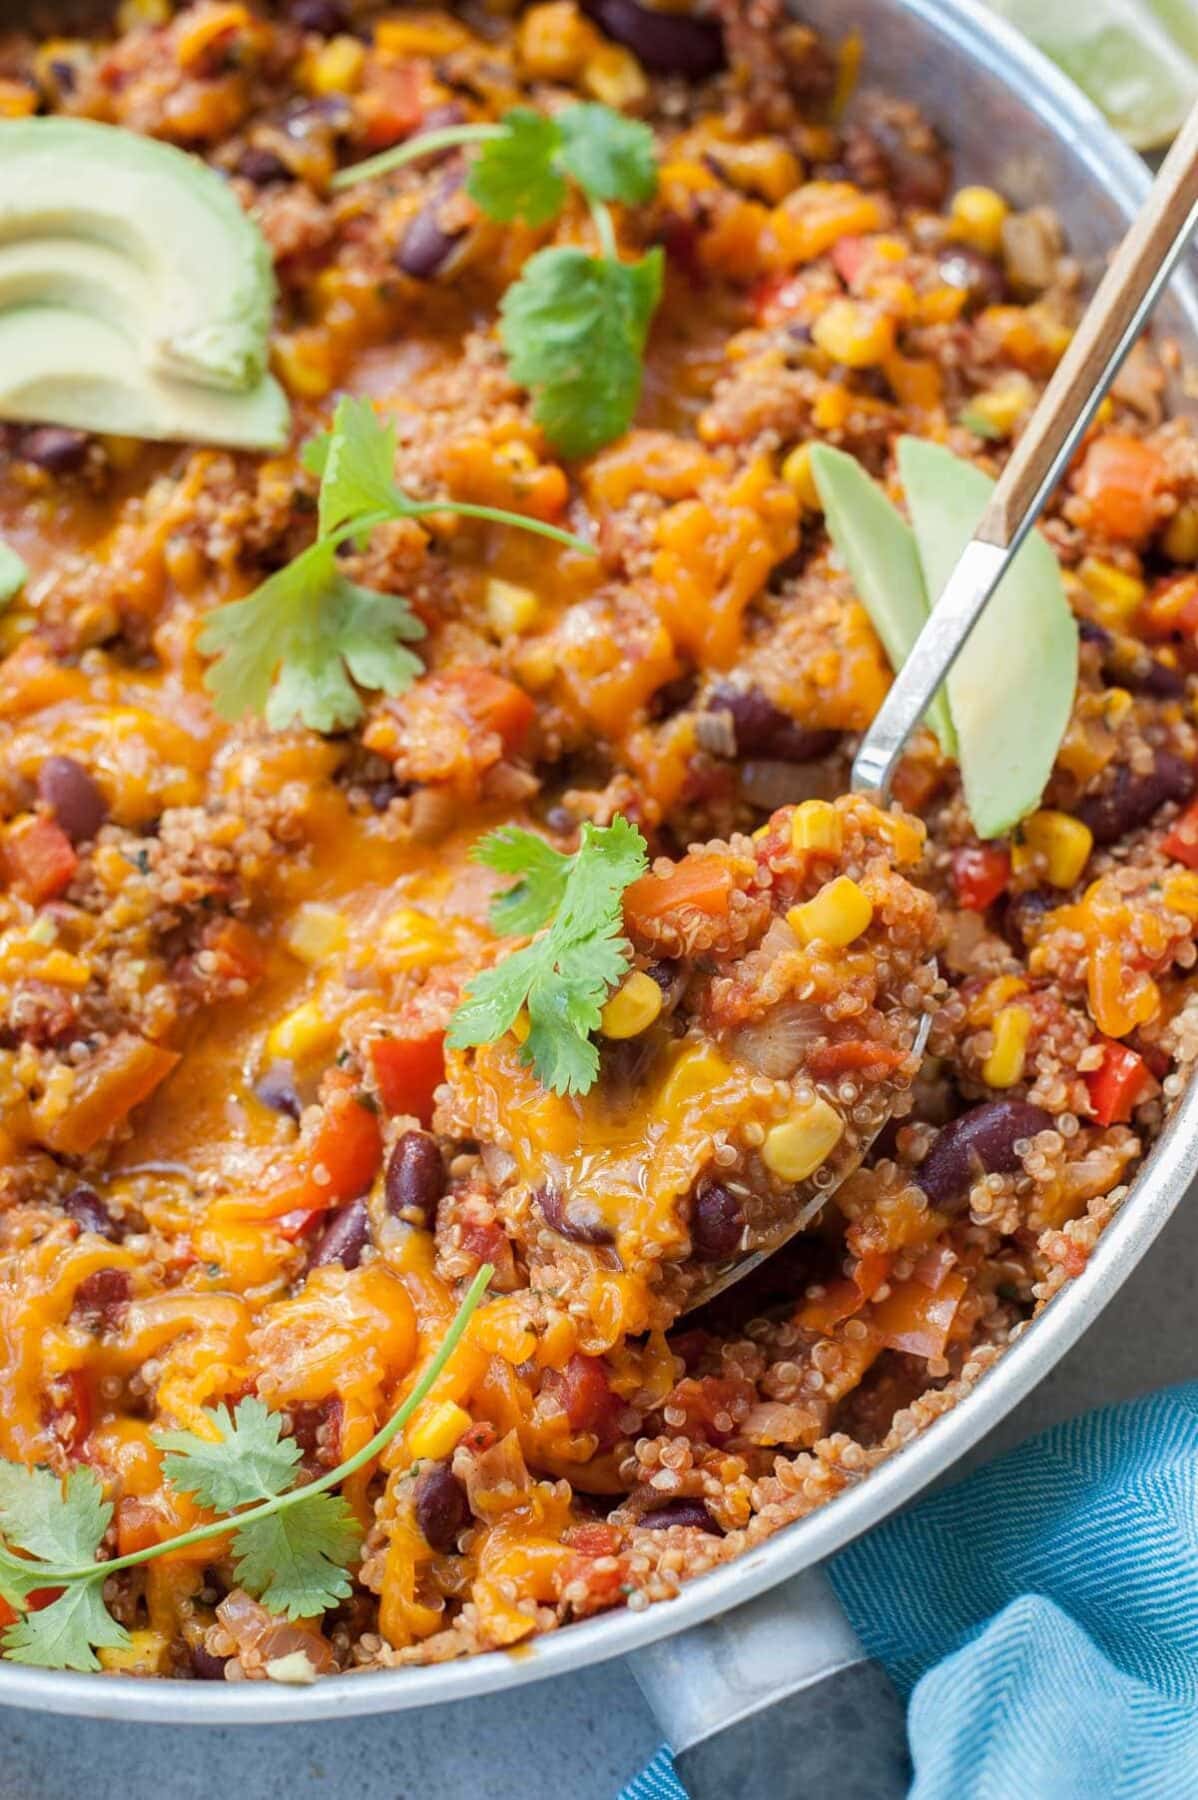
442	1509
1023	913
64	74
980	276
717	1223
1133	799
764	730
981	1142
55	448
426	247
276	1089
1145	675
578	1219
1090	633
89	1212
668	43
415	1178
262	167
205	1666
344	1240
73	796
680	1512
328	17
102	1297
673	696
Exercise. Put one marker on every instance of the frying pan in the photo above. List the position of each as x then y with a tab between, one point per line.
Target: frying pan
753	1670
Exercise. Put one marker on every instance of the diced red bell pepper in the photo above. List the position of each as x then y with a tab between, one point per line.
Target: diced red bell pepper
1117	1084
593	1539
980	874
774	297
337	1159
1120	476
857	1056
495	704
392	107
1181	843
39	858
587	1396
699	883
409	1070
238	950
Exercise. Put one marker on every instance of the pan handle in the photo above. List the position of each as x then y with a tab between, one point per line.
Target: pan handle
775	1699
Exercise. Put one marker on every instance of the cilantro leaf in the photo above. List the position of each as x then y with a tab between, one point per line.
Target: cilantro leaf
13	574
574	328
356	464
515	174
293	1560
289	648
564	977
65	1634
532	902
249	1460
59	1521
609	156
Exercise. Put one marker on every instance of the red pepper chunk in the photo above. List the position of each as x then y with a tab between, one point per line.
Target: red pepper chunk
1120	476
1118	1084
337	1160
980	874
39	859
1181	843
409	1070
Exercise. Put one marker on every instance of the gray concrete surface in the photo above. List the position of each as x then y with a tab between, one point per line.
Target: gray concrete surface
592	1731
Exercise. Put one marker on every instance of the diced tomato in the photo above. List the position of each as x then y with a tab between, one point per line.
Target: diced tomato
587	1396
497	704
392	107
1120	477
847	254
39	858
72	1400
38	1598
238	949
918	1319
1181	843
980	874
337	1159
698	883
856	1056
120	1075
1117	1085
409	1070
593	1539
775	297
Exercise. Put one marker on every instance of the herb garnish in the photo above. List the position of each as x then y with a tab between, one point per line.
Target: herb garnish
291	1545
296	646
564	976
574	325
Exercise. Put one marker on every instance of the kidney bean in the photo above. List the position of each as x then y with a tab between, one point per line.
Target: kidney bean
327	17
205	1666
979	275
764	730
102	1297
981	1142
72	795
577	1219
717	1221
55	448
415	1178
680	1512
426	246
276	1089
1134	798
442	1509
89	1212
344	1240
668	43
895	149
1145	675
262	167
1022	914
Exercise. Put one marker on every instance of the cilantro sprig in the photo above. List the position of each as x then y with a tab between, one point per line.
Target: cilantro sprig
574	325
291	1544
303	643
564	976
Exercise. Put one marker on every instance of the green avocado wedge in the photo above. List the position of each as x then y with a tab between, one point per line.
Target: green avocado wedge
135	294
1011	689
877	547
13	574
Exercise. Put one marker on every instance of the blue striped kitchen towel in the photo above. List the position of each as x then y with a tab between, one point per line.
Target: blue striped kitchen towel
1043	1616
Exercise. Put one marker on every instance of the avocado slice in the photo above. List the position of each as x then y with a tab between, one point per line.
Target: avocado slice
13	573
1011	689
877	547
139	252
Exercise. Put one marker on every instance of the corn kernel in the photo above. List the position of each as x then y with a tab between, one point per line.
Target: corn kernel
764	166
146	1653
1180	894
1115	596
796	473
633	1007
840	912
511	609
1116	704
61	969
18	99
978	214
336	68
413	940
613	76
796	1148
1180	542
854	334
554	41
419	34
316	933
816	825
302	1033
302	364
436	1435
1004	1065
1006	404
132	13
1062	842
694	1074
833	404
204	28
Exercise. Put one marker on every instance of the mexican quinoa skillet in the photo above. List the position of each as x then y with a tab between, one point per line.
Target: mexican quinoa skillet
243	1167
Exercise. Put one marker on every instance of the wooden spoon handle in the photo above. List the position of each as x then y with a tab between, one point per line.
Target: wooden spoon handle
1034	463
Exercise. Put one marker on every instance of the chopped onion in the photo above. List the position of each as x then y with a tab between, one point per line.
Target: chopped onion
773	784
776	1044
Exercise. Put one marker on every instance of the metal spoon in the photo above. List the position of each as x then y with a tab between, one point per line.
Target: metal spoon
1109	327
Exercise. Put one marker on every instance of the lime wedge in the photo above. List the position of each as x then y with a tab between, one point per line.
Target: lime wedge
1136	59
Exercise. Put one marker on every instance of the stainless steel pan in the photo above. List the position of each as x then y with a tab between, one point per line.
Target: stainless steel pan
736	1689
